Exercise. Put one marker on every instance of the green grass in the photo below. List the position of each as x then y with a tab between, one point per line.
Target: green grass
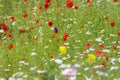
74	22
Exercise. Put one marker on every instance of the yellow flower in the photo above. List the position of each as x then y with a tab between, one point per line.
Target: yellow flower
91	58
63	49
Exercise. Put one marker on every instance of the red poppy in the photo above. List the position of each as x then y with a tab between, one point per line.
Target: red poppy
10	46
46	5
40	7
10	35
37	21
58	5
88	1
112	24
115	1
104	64
118	33
25	0
25	15
53	36
88	44
89	4
101	45
66	35
23	31
107	57
76	7
99	53
50	23
32	27
51	57
48	1
115	47
69	4
12	18
4	26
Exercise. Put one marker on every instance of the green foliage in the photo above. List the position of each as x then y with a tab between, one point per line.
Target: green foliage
38	40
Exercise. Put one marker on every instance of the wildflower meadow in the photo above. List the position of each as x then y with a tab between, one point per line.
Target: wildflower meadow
59	39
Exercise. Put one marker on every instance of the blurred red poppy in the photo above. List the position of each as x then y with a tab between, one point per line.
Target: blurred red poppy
23	31
25	15
88	1
112	24
66	35
46	5
115	47
104	64
40	7
101	45
10	35
12	18
76	7
69	4
10	46
50	23
48	1
99	53
88	44
37	21
25	0
118	33
51	57
4	26
115	1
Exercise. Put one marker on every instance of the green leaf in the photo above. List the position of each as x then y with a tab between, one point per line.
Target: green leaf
1	5
52	77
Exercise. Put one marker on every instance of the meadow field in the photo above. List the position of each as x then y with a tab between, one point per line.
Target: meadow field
59	40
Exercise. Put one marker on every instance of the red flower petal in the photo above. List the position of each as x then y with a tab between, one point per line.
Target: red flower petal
10	35
51	57
88	44
88	1
115	1
4	26
23	31
25	0
40	7
112	24
50	23
104	64
66	35
48	1
69	4
101	45
76	7
46	5
12	18
37	21
25	15
10	46
115	47
99	53
107	57
118	33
